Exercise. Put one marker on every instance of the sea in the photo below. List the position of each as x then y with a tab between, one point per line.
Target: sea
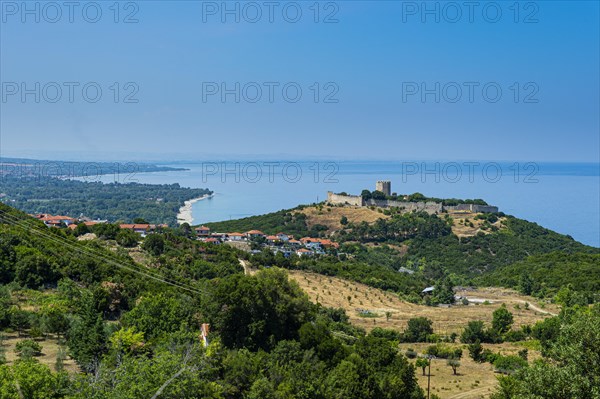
564	197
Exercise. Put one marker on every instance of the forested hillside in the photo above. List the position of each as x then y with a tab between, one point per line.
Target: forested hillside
133	328
155	203
552	273
428	251
123	320
482	253
287	221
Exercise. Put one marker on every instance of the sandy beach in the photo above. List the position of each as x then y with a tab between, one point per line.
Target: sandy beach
185	212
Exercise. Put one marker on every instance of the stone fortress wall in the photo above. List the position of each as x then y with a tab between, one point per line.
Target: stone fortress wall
429	207
355	200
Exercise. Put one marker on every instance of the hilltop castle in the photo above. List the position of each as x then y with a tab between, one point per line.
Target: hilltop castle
385	186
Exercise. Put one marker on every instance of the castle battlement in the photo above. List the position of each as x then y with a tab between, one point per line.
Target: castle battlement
427	206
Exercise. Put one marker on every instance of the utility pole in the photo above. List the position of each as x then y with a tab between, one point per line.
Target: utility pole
430	357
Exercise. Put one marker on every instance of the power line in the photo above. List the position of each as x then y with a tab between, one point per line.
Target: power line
88	252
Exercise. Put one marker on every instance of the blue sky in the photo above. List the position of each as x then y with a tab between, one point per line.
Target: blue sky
367	61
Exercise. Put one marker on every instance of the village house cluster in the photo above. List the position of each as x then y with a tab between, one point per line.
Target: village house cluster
282	243
142	229
278	243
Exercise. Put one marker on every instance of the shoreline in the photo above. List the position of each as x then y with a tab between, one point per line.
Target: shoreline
185	212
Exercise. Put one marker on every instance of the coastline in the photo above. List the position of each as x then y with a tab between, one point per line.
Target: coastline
185	212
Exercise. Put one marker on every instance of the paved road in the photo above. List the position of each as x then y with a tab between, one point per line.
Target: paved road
510	299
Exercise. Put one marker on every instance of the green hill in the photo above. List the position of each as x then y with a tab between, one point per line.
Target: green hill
133	328
547	273
433	252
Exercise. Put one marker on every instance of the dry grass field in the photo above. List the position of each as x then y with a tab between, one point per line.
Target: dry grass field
330	216
463	220
474	380
353	297
50	348
465	223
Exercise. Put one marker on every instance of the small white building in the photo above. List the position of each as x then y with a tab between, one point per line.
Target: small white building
304	252
235	237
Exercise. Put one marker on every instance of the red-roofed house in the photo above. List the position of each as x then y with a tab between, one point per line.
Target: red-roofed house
304	252
254	234
50	220
295	243
311	242
202	231
273	239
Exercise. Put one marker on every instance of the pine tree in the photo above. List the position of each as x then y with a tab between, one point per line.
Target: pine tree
87	340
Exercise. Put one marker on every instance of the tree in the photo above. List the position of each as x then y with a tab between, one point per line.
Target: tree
187	230
509	364
454	363
418	329
2	350
61	355
344	221
444	292
415	197
257	311
28	348
127	238
33	270
32	380
526	284
126	340
572	370
476	351
155	244
474	332
81	229
422	363
377	195
351	379
87	341
5	301
262	388
106	231
158	314
502	319
19	320
54	320
546	331
523	354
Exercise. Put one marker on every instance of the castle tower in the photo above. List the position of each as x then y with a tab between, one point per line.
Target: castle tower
385	186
